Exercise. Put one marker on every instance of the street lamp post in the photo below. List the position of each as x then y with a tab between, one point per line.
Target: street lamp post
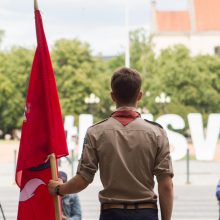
163	99
91	100
127	46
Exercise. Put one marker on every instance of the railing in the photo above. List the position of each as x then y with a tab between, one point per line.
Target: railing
2	212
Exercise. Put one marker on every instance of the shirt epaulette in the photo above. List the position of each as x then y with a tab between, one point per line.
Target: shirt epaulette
154	123
99	122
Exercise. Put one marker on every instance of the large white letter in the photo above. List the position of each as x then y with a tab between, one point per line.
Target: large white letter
204	148
85	121
70	131
177	141
148	117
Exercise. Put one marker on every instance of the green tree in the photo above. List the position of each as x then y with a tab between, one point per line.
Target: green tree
193	83
1	35
14	72
78	75
188	80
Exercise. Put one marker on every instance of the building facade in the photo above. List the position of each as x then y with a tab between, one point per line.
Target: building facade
197	27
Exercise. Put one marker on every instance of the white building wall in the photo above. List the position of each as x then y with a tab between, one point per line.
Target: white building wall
161	42
204	44
197	43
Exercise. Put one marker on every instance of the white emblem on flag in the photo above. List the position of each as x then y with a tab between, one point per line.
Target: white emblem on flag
30	187
26	110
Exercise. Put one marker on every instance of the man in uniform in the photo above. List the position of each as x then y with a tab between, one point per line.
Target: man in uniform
129	152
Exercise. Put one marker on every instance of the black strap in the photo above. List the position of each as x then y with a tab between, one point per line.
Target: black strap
2	212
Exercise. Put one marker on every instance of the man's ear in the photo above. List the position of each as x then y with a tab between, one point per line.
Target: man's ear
113	97
140	94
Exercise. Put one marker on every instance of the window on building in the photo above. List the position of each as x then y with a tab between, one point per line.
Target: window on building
217	50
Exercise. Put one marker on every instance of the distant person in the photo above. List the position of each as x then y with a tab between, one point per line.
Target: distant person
130	152
70	203
218	195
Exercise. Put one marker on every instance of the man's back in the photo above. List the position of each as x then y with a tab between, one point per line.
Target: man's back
129	152
128	157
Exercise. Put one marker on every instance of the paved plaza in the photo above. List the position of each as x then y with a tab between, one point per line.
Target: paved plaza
191	203
194	201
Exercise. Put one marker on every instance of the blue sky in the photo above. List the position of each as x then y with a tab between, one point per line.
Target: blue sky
98	22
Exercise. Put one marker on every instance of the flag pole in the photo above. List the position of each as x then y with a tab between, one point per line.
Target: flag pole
53	166
36	5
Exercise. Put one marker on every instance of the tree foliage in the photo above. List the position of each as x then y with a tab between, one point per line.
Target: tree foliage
193	83
1	35
14	71
78	75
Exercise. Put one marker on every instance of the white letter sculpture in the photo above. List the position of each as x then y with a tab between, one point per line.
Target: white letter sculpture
204	147
85	121
177	141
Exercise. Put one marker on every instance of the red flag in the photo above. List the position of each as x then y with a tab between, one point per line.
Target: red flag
42	134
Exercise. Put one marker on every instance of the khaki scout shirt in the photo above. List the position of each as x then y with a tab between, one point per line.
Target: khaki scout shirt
128	158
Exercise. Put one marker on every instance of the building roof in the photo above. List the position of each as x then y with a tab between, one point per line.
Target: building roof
173	21
207	15
205	12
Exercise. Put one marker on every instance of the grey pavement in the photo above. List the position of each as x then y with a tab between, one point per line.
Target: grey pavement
195	201
191	203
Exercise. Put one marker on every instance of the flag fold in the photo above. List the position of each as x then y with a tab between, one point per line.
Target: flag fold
42	134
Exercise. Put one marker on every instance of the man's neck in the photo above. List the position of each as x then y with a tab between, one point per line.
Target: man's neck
126	105
126	108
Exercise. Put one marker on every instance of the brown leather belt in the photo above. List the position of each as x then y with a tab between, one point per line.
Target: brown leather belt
128	206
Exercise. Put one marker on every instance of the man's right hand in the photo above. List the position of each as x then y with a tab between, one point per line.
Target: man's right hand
64	217
52	186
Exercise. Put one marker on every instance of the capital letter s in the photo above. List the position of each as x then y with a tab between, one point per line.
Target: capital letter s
177	141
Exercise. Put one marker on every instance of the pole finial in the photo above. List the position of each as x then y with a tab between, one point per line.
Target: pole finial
36	5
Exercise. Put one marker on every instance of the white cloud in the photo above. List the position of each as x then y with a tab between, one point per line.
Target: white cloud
101	23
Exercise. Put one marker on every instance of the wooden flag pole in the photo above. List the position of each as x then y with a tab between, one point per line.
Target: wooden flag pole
36	5
53	166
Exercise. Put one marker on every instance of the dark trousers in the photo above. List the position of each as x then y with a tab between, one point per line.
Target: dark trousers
129	214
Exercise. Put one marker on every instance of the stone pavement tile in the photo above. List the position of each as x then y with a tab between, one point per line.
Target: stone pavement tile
201	172
7	150
190	203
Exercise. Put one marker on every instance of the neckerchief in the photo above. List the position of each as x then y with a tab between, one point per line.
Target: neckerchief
125	116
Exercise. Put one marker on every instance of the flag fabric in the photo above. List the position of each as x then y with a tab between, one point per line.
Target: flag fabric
42	134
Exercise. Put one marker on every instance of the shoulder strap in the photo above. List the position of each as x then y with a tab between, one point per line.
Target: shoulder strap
154	123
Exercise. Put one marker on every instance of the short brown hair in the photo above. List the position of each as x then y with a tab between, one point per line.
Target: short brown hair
126	84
